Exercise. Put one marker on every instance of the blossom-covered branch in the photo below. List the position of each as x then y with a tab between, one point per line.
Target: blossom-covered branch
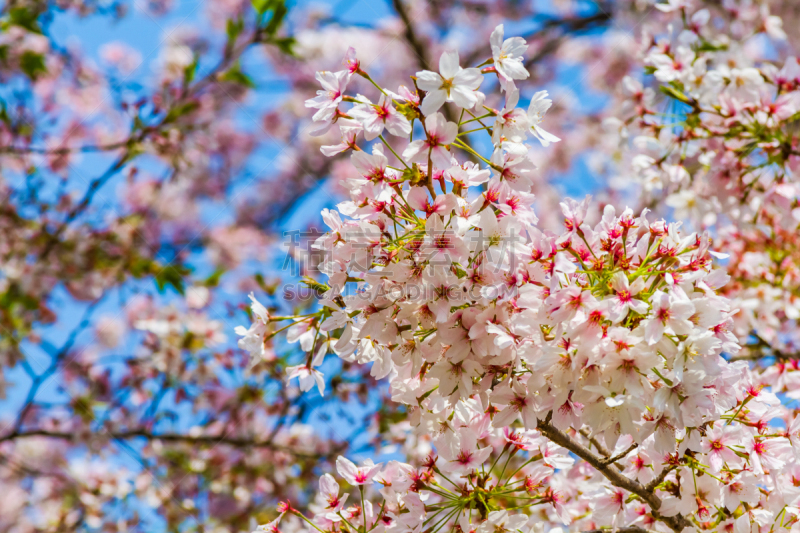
486	326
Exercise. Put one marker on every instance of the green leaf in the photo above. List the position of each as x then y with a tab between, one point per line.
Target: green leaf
180	110
706	46
140	267
314	284
21	16
285	44
32	64
172	275
674	93
213	279
4	113
278	14
190	71
234	28
235	75
262	6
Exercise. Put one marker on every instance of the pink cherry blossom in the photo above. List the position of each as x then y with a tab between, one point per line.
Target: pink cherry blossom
356	475
440	133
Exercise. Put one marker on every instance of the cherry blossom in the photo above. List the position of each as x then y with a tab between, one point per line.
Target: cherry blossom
356	475
539	105
451	84
439	134
376	117
507	57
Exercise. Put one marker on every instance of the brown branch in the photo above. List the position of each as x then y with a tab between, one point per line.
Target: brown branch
626	529
758	355
600	448
95	185
56	358
64	149
568	26
169	437
676	523
659	478
596	443
620	455
410	35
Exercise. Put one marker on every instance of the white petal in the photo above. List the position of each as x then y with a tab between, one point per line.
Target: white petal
432	102
448	65
463	97
469	77
496	40
428	81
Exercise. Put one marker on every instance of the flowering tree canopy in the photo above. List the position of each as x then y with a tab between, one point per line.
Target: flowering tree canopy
471	342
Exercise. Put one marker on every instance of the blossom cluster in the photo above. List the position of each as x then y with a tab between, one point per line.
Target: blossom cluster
614	333
444	492
724	155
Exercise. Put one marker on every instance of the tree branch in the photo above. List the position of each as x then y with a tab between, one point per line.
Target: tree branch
567	25
620	455
410	35
56	359
62	150
626	529
600	448
676	523
169	437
